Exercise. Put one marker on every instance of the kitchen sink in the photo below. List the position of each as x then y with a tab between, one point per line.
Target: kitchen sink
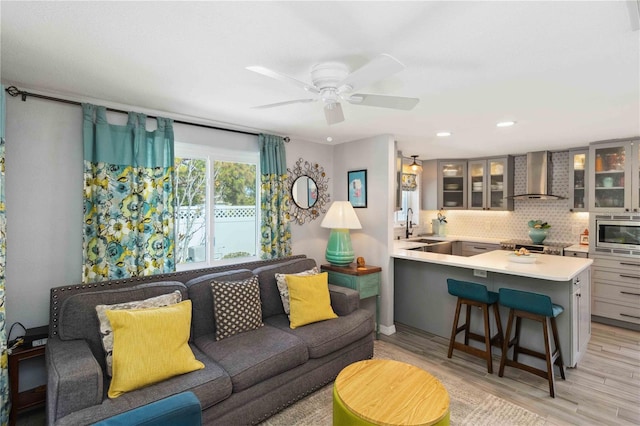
427	241
435	246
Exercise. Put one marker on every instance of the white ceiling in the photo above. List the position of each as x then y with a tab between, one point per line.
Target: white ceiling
567	72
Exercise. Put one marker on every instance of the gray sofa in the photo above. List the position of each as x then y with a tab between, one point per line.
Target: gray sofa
247	377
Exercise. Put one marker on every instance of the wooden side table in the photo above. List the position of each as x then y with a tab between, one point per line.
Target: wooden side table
366	280
387	392
21	401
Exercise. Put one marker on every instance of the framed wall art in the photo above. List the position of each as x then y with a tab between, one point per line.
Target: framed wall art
357	188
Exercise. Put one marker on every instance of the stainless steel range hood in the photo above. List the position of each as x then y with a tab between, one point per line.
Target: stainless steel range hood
539	177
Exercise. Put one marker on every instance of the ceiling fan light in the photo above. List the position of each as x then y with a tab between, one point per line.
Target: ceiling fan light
443	134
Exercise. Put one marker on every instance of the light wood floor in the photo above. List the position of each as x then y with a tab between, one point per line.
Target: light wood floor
604	388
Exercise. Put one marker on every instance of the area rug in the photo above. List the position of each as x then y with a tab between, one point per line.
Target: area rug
469	405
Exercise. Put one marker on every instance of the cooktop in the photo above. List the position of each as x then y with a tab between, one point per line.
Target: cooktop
544	248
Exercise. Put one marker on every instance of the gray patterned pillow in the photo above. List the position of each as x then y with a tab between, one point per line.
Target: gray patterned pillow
106	331
281	281
236	306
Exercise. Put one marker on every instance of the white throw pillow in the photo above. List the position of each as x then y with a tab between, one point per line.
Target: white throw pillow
106	331
281	281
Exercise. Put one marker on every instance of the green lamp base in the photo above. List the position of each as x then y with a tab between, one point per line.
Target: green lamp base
339	250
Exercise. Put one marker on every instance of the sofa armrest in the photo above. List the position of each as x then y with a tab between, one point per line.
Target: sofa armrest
343	300
74	378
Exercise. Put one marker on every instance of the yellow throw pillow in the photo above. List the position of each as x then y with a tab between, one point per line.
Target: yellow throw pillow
309	299
150	345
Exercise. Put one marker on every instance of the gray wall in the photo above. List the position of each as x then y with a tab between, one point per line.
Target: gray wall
375	239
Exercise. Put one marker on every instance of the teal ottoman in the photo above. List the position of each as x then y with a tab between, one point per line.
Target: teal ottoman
182	409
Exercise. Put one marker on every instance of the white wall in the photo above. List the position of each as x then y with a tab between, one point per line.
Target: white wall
44	205
376	155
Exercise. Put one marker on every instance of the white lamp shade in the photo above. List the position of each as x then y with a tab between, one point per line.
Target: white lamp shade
341	215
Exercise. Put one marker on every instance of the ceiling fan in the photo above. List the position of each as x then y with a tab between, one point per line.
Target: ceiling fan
332	83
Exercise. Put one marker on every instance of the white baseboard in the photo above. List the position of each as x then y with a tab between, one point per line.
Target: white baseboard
387	330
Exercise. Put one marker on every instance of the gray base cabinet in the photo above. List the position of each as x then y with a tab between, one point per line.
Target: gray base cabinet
616	289
421	300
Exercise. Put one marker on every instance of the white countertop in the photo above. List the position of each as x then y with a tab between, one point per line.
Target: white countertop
547	267
578	247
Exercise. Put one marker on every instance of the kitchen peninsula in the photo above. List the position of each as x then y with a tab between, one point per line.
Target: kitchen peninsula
421	299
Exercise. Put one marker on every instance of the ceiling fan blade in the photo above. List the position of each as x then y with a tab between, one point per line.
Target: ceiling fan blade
395	102
333	113
282	77
378	68
277	104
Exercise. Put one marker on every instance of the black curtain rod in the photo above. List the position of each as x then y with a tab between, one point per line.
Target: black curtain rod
14	92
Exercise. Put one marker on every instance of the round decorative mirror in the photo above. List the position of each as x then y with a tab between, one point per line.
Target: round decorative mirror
304	192
308	184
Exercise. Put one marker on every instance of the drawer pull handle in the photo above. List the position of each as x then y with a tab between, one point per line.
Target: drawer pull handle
630	264
480	248
630	276
628	292
630	316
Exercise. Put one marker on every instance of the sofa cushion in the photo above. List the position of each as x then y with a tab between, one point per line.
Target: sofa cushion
106	332
203	322
150	345
77	318
236	306
255	355
269	294
325	337
281	282
309	298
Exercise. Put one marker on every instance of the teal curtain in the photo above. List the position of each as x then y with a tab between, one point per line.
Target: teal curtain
275	226
128	197
4	375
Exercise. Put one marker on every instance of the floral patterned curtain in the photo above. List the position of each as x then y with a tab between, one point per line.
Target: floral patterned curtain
275	226
5	406
128	197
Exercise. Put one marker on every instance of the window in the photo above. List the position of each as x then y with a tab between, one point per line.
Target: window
410	195
217	207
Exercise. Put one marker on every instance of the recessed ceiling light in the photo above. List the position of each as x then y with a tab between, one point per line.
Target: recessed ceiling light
443	134
329	139
505	123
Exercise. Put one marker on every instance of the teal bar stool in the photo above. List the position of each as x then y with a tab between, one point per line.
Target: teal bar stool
472	294
536	307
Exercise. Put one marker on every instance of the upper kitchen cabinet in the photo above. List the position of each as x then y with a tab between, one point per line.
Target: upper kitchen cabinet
614	184
578	182
452	184
490	181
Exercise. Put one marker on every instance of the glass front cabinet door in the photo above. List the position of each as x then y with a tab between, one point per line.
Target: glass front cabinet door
490	183
615	178
578	180
452	181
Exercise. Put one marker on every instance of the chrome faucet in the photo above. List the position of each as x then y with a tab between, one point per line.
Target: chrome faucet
409	223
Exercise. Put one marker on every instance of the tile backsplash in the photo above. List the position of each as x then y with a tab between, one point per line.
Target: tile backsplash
566	226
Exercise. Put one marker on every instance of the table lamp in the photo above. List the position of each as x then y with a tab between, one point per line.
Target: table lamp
340	218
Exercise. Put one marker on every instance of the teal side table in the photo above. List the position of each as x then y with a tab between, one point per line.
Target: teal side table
365	280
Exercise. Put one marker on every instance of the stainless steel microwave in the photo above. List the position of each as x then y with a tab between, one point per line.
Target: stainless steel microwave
618	234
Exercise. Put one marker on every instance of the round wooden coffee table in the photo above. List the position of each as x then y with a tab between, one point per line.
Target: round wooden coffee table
386	392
